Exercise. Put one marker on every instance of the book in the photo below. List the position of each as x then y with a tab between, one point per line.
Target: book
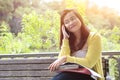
67	66
73	67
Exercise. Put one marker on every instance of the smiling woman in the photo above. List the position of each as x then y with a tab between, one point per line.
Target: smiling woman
78	45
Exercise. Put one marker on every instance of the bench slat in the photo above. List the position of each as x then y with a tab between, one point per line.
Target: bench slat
26	78
26	73
26	61
27	55
14	67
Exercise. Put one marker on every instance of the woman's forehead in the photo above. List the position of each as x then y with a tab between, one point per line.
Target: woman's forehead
68	15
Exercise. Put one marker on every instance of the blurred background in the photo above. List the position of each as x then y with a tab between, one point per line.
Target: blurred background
33	25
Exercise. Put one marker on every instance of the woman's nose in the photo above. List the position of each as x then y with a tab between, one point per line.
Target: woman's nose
71	22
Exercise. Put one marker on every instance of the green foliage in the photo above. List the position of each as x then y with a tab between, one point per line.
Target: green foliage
111	39
115	37
42	30
39	33
5	38
9	43
113	69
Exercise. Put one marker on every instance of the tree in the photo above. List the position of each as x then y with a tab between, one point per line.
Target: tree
6	7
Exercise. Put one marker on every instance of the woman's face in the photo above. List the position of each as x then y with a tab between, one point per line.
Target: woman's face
72	22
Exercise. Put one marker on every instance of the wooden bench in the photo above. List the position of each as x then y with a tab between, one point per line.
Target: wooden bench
31	66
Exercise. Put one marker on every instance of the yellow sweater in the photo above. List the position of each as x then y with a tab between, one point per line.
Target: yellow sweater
93	57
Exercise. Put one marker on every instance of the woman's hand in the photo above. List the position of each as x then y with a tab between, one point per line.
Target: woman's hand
65	34
57	63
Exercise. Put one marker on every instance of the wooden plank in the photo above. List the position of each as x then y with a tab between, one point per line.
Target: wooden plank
27	55
26	78
27	61
47	54
26	73
106	53
22	67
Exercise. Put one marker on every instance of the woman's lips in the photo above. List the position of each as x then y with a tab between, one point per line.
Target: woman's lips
72	26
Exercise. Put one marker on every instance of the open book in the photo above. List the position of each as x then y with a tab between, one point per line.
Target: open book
72	67
67	66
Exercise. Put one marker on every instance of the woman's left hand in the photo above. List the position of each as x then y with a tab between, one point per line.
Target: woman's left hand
57	63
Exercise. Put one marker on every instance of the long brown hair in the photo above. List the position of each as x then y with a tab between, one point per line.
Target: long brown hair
84	31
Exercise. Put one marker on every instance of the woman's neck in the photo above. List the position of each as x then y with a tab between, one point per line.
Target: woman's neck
77	35
77	40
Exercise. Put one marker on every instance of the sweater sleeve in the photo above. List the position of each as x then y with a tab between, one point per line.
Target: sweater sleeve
93	53
65	49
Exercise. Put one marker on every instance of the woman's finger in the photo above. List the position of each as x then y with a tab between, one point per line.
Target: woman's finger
54	65
64	32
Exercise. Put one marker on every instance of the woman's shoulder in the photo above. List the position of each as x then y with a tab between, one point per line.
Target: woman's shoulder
94	35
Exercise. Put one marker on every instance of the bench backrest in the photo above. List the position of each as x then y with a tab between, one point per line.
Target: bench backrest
25	69
31	66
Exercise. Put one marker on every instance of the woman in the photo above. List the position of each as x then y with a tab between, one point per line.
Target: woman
78	45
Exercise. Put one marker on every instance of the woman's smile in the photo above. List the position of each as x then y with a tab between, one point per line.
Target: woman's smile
72	26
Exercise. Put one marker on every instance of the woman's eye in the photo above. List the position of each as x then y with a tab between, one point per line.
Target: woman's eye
66	22
72	18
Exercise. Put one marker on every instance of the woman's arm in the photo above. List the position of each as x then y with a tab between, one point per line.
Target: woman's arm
93	53
65	49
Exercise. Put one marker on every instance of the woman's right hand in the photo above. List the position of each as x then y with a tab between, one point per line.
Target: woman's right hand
54	66
65	34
